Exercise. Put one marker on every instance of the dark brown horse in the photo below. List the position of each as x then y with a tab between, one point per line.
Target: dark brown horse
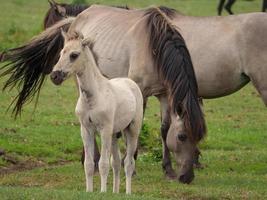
59	11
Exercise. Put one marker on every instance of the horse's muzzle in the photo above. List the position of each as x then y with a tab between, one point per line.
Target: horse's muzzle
187	174
57	77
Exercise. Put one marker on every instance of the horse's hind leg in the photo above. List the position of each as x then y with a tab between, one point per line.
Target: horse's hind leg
115	163
165	125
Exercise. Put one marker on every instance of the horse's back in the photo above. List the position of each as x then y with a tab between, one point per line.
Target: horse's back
222	49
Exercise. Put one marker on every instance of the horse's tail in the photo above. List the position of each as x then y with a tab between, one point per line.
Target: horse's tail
29	64
175	67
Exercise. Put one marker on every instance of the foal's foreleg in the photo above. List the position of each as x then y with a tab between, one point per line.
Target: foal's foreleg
88	143
106	140
116	164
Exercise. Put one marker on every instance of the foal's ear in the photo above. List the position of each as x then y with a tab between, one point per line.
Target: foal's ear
88	42
64	34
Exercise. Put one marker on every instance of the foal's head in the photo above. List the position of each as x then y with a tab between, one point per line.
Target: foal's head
73	57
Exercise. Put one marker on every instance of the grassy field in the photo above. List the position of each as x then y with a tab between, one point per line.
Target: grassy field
46	140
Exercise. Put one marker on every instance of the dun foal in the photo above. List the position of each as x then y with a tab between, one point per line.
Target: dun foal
104	106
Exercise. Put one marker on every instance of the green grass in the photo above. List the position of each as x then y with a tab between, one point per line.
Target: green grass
234	152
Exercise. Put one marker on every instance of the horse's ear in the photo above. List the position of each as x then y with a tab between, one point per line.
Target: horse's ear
52	3
64	34
88	42
61	10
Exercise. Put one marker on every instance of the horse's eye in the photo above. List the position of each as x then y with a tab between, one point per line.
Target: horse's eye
182	137
74	56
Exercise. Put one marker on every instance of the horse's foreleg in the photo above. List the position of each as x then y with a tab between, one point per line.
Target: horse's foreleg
229	5
106	140
116	164
165	125
88	143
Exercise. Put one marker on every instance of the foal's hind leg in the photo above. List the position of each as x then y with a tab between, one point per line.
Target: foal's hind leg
131	134
116	164
165	125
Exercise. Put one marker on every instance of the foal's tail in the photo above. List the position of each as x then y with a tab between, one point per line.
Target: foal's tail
29	64
175	67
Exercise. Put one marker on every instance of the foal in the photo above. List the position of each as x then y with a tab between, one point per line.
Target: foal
104	106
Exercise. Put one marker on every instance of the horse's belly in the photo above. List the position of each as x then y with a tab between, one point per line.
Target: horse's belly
221	85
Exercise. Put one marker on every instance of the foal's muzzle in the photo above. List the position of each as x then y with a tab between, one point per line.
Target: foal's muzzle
58	77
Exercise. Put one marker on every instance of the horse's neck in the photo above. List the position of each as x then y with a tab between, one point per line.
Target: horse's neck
90	80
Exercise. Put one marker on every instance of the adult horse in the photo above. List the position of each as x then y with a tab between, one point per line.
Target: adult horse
222	65
146	47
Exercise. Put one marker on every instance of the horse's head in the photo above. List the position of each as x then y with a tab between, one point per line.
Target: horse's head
183	148
72	57
56	13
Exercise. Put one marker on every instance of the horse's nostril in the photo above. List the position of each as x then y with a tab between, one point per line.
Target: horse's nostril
182	137
187	178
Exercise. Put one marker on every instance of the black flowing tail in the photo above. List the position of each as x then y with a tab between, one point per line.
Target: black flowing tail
175	67
29	64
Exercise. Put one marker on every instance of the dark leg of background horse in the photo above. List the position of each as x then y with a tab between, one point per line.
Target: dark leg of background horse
220	7
229	5
96	156
264	5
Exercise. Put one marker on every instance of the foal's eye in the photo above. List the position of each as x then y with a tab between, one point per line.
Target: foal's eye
74	56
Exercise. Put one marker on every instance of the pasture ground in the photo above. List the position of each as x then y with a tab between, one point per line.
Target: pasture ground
42	148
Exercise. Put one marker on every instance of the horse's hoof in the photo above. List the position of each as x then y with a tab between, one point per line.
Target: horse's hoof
134	173
171	175
199	166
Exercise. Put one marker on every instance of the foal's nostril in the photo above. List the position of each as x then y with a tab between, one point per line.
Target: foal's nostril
57	77
182	137
53	75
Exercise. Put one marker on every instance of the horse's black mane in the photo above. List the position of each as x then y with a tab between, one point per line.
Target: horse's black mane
74	9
